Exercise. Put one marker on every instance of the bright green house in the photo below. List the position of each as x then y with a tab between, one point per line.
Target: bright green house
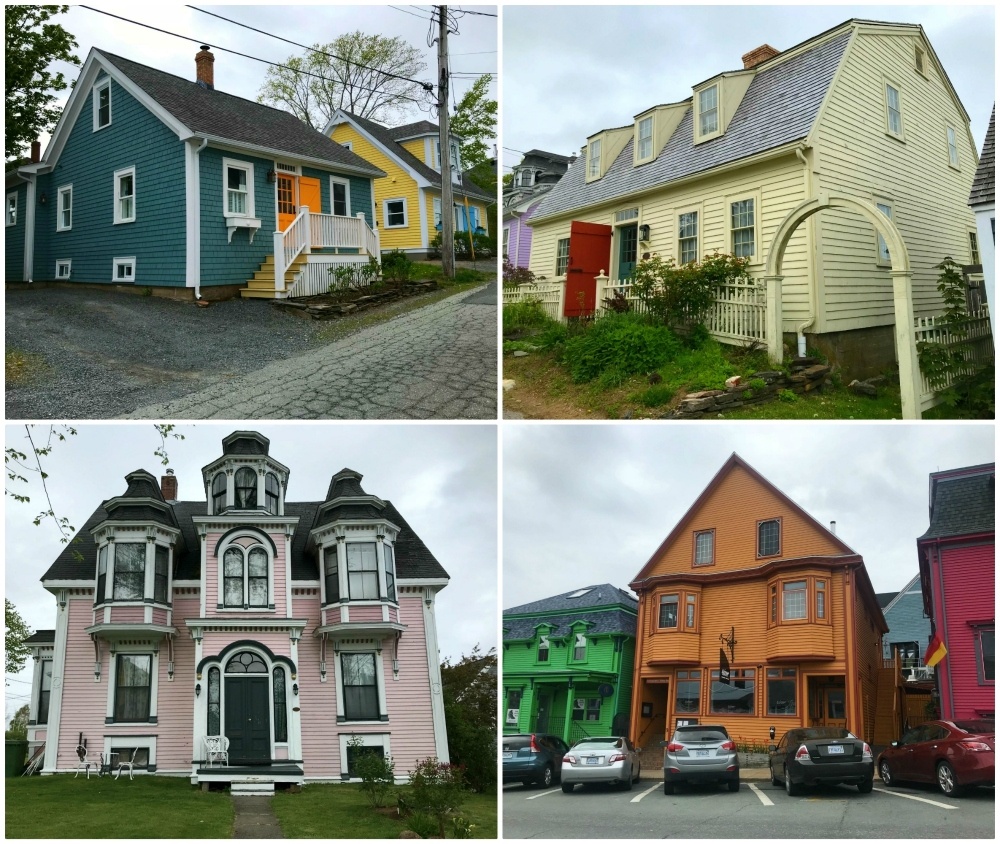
567	663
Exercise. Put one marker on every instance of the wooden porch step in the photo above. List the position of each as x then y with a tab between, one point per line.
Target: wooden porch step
261	285
254	788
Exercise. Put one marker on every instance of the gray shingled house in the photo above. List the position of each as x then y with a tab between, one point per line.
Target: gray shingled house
982	200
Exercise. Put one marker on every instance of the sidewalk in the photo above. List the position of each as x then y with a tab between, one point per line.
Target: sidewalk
255	819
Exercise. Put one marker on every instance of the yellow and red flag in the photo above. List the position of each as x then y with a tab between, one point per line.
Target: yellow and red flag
936	651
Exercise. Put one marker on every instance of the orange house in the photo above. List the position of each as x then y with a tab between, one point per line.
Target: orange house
749	574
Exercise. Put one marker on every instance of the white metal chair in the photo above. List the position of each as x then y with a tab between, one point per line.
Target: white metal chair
84	763
129	763
216	749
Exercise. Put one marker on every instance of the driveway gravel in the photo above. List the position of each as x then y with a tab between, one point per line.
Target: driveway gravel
108	354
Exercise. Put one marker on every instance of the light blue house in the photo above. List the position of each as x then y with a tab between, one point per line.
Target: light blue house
159	182
909	630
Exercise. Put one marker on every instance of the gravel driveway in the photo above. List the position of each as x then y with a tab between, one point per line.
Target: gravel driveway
108	354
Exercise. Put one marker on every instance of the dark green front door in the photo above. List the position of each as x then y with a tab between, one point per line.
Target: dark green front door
248	721
628	247
542	716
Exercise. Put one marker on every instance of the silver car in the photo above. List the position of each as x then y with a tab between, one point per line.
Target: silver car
701	753
610	759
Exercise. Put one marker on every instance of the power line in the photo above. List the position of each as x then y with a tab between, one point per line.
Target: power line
411	14
483	14
425	85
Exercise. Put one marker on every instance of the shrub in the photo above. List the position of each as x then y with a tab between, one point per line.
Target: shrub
424	825
347	276
485	245
397	267
622	345
375	771
513	276
436	789
520	315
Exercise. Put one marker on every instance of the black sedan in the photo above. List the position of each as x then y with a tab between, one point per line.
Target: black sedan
813	755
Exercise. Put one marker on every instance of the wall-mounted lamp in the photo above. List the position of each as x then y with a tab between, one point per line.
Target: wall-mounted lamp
197	689
97	672
295	689
644	232
272	177
43	199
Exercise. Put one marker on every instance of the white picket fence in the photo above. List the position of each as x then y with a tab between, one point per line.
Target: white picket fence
974	338
316	277
547	293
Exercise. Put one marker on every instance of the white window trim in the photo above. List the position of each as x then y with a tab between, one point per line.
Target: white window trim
138	649
506	241
436	210
740	197
385	213
251	208
348	145
594	171
219	573
879	240
558	256
125	171
338	180
7	208
700	136
362	648
117	262
367	740
951	139
694	209
96	89
638	139
65	189
886	84
126	740
920	56
68	264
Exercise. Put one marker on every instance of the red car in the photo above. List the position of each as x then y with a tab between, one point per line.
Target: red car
953	754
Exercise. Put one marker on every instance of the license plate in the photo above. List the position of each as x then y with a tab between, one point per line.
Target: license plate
593	760
835	748
508	755
701	753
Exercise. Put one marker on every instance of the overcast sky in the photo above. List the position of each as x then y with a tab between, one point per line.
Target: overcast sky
589	504
441	478
571	71
473	49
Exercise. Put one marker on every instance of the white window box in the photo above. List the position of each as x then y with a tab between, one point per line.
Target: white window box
249	223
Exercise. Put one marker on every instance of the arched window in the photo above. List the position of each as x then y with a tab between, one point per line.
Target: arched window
246	662
246	489
219	493
280	710
244	577
271	490
214	702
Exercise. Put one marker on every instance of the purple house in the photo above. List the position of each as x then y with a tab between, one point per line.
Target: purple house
532	178
286	635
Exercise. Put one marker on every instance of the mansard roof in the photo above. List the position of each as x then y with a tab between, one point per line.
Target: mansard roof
962	502
246	443
605	608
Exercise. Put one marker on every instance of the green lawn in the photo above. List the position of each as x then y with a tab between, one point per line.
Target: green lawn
341	811
146	807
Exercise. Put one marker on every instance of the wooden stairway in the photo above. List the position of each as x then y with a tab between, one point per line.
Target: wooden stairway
261	286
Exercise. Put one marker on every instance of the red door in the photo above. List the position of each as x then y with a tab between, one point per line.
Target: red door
589	253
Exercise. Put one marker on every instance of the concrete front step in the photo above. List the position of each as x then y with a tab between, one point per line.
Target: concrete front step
252	788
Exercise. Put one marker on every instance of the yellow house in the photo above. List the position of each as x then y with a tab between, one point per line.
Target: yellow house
408	199
863	111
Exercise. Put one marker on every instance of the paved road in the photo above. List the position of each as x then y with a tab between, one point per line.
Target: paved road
438	362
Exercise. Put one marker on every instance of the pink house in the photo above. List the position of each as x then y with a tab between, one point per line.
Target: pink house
957	577
293	630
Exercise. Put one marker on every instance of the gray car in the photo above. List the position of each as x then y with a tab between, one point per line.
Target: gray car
700	753
606	759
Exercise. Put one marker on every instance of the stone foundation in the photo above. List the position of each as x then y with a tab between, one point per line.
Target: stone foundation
215	293
858	354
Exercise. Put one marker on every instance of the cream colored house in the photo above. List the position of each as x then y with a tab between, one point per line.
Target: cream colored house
863	112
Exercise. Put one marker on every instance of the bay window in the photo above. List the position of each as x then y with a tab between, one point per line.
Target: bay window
793	600
390	572
797	598
668	611
360	687
331	571
362	571
130	571
161	565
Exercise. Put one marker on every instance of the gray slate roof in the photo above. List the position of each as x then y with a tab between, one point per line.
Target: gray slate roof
963	505
984	185
602	605
41	637
779	107
245	122
387	137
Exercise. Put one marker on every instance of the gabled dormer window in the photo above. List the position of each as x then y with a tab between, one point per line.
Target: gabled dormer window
644	139
543	648
594	159
708	112
579	647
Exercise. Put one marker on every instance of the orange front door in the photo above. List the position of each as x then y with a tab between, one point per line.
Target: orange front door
286	201
309	194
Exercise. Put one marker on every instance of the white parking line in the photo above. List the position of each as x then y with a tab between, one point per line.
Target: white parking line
914	797
763	797
639	797
543	794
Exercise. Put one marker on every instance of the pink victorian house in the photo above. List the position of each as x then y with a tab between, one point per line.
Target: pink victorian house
291	630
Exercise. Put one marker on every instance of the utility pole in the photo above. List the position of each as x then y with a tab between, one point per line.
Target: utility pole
447	197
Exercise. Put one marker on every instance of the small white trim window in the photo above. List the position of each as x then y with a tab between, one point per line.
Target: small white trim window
893	111
64	208
436	205
883	259
64	269
125	195
708	111
237	188
10	217
123	270
644	139
506	241
340	197
952	147
380	741
687	237
348	145
594	159
562	256
742	219
102	103
394	213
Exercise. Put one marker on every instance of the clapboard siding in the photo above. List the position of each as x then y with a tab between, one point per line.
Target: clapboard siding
88	162
868	664
176	700
13	236
360	190
858	158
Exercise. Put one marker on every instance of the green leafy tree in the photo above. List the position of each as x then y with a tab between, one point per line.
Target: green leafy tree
18	729
15	632
475	121
470	709
32	45
356	72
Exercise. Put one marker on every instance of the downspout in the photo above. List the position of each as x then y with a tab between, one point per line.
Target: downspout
197	200
813	293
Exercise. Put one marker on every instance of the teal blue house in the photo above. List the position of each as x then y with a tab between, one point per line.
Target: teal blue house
159	182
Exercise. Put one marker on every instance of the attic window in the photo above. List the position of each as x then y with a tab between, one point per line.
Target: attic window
919	60
594	159
708	111
102	104
579	593
644	139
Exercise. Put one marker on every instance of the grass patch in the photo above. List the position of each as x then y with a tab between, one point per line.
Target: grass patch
21	367
146	807
321	810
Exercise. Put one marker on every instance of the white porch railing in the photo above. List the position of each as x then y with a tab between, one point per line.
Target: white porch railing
976	347
310	231
547	293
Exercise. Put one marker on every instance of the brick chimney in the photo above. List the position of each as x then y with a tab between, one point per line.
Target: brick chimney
36	151
168	486
758	56
205	64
